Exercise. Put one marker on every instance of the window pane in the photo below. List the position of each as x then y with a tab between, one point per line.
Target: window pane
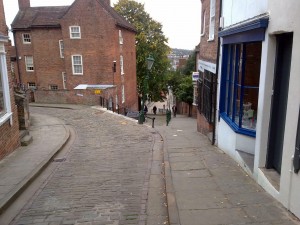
75	29
250	110
227	79
29	63
77	69
77	60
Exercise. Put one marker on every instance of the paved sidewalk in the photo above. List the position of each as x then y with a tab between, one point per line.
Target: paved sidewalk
206	187
19	168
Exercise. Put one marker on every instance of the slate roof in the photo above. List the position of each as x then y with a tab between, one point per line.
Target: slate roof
50	16
39	16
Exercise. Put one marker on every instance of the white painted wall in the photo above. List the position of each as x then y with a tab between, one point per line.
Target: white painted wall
283	16
226	138
235	11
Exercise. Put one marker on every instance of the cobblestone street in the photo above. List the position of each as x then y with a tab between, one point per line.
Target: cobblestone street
104	177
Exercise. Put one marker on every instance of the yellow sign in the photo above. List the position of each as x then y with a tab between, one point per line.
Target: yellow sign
97	92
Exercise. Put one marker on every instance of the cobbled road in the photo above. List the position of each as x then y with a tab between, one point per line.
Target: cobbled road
102	180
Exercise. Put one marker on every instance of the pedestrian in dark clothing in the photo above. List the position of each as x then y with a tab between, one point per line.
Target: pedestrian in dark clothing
145	110
174	109
154	110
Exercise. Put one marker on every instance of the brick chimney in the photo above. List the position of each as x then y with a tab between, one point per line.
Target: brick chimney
24	4
107	2
3	27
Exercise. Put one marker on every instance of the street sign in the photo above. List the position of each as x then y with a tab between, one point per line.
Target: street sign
97	92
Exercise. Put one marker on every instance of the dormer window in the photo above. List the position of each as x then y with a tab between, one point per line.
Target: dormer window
26	38
75	32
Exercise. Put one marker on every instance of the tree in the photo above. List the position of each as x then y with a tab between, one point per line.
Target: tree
190	65
150	40
184	91
181	83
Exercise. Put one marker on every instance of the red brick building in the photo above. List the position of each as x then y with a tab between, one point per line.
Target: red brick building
61	47
207	66
9	126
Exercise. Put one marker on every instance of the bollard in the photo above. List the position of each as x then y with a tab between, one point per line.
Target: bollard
153	122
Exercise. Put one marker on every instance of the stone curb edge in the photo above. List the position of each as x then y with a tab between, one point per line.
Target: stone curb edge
170	192
15	192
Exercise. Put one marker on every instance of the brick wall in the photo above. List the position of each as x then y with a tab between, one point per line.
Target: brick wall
208	49
183	109
202	125
9	134
99	47
86	97
208	52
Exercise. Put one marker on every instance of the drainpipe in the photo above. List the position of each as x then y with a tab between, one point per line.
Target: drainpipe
17	57
217	72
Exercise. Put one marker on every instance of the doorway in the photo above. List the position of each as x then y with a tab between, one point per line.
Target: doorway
279	100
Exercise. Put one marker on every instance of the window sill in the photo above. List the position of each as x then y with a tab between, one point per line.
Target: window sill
78	74
5	117
236	128
210	39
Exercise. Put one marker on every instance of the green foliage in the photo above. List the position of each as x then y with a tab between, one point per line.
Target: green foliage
190	66
150	40
181	81
185	90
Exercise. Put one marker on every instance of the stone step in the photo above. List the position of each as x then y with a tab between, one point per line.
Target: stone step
26	140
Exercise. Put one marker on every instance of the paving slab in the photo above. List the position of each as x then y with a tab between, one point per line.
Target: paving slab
206	187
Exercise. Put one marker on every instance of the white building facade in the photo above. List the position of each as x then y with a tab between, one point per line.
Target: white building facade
259	93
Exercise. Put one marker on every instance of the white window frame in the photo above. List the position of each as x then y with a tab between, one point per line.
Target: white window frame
121	40
28	64
72	33
212	20
26	37
31	85
122	64
117	102
61	49
123	94
73	65
64	79
7	115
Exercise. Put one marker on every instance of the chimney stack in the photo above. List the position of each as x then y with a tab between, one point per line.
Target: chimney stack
24	4
107	2
3	27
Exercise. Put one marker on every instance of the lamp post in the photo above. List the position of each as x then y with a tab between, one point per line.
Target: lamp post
150	62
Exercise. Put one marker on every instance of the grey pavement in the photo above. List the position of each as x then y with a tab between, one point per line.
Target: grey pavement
25	163
115	171
206	187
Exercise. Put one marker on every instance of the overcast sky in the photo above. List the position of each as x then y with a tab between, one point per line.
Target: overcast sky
180	18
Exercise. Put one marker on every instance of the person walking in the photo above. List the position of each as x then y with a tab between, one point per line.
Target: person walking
174	109
154	110
145	110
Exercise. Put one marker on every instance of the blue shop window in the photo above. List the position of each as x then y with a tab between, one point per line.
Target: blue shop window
240	86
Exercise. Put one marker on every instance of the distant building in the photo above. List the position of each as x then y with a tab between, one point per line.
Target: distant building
76	54
9	126
177	59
